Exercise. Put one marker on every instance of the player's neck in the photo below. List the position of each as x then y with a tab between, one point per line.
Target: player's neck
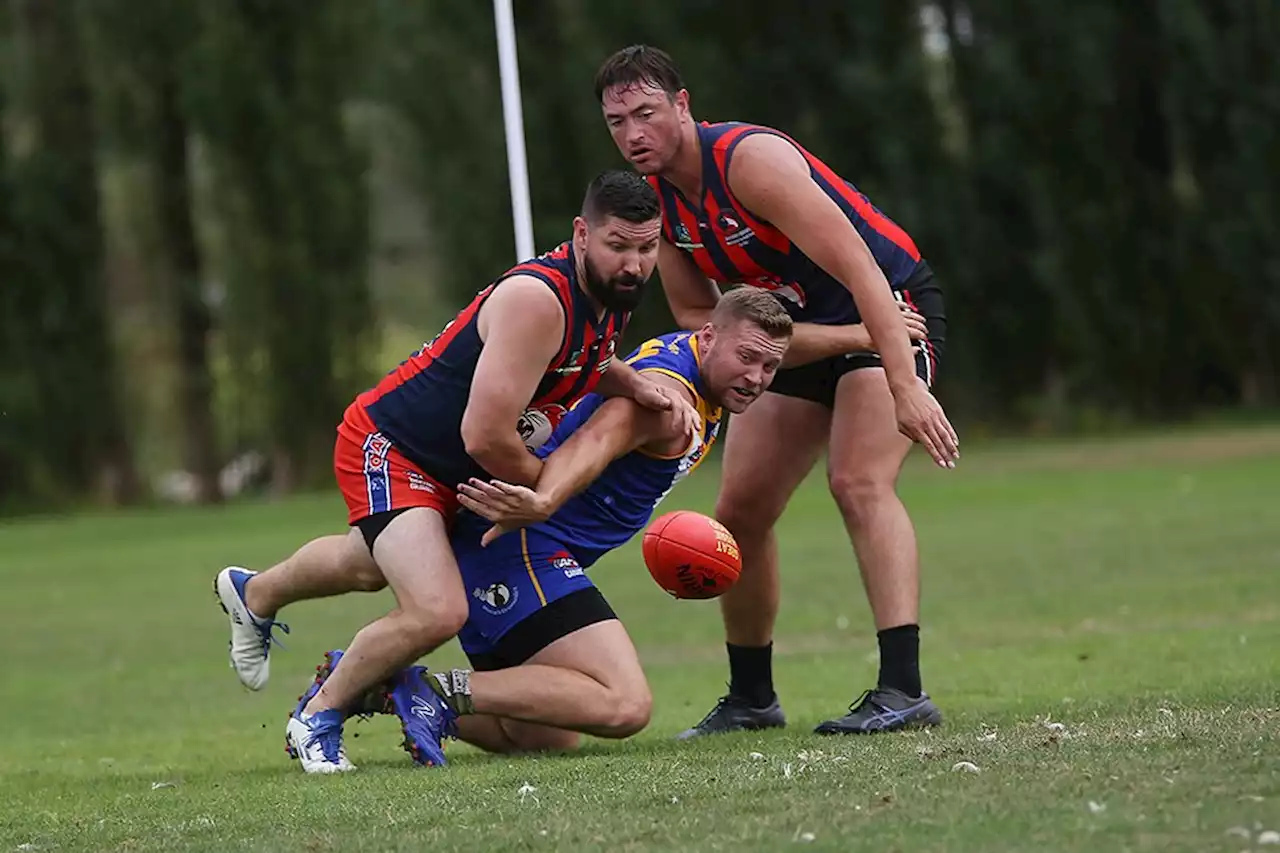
685	170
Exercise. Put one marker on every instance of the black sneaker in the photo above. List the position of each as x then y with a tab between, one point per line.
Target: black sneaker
735	714
884	710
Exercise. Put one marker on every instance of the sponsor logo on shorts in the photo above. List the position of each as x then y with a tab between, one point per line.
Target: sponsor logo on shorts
419	483
567	564
497	598
379	444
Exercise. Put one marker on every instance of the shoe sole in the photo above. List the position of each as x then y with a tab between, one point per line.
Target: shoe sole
690	734
933	720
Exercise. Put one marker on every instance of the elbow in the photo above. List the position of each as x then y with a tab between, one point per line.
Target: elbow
691	319
478	441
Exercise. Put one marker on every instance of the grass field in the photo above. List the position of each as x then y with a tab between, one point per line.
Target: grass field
1101	625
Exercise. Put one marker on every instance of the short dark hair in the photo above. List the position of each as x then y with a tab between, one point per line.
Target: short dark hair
753	305
638	64
619	193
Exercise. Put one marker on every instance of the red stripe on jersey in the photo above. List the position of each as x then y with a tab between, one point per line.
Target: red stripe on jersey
877	220
702	258
656	183
768	234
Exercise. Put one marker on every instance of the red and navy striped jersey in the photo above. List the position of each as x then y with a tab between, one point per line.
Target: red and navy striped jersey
731	246
419	405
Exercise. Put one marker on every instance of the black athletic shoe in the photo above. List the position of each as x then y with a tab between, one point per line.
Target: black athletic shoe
884	710
735	714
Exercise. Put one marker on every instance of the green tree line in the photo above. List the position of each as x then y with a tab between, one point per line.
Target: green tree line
200	203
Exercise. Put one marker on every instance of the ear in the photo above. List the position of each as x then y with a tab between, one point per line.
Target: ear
682	101
580	231
707	336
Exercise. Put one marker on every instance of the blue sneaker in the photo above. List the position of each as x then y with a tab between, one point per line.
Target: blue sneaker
424	717
251	635
316	741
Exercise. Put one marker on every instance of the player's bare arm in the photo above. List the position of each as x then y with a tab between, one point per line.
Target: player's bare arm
815	341
622	380
522	326
617	428
771	177
692	296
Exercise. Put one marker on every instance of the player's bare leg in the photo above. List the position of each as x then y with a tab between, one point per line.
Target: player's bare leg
417	561
769	451
501	735
416	558
330	565
867	452
589	681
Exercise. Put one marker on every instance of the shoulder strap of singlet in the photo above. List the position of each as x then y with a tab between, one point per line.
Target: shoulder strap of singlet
549	273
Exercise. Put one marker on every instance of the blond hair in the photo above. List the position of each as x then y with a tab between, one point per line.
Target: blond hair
754	305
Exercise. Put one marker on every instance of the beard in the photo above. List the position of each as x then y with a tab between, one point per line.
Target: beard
621	292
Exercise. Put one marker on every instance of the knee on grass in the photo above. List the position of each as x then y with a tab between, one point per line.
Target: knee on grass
629	712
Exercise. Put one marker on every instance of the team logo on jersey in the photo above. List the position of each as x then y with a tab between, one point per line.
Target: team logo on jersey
607	358
684	240
734	234
565	562
575	361
497	598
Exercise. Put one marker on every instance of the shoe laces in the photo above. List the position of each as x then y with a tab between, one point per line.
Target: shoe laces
723	702
857	704
328	734
267	629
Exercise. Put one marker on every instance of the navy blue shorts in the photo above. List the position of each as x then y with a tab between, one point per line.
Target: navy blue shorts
525	591
817	380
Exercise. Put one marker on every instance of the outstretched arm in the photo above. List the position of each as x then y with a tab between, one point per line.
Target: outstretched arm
618	427
771	177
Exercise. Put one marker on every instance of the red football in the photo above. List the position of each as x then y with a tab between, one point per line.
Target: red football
691	555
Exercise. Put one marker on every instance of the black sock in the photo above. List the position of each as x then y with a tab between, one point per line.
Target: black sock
751	673
900	658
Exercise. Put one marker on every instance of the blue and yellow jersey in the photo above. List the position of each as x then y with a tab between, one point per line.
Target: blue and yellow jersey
621	500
